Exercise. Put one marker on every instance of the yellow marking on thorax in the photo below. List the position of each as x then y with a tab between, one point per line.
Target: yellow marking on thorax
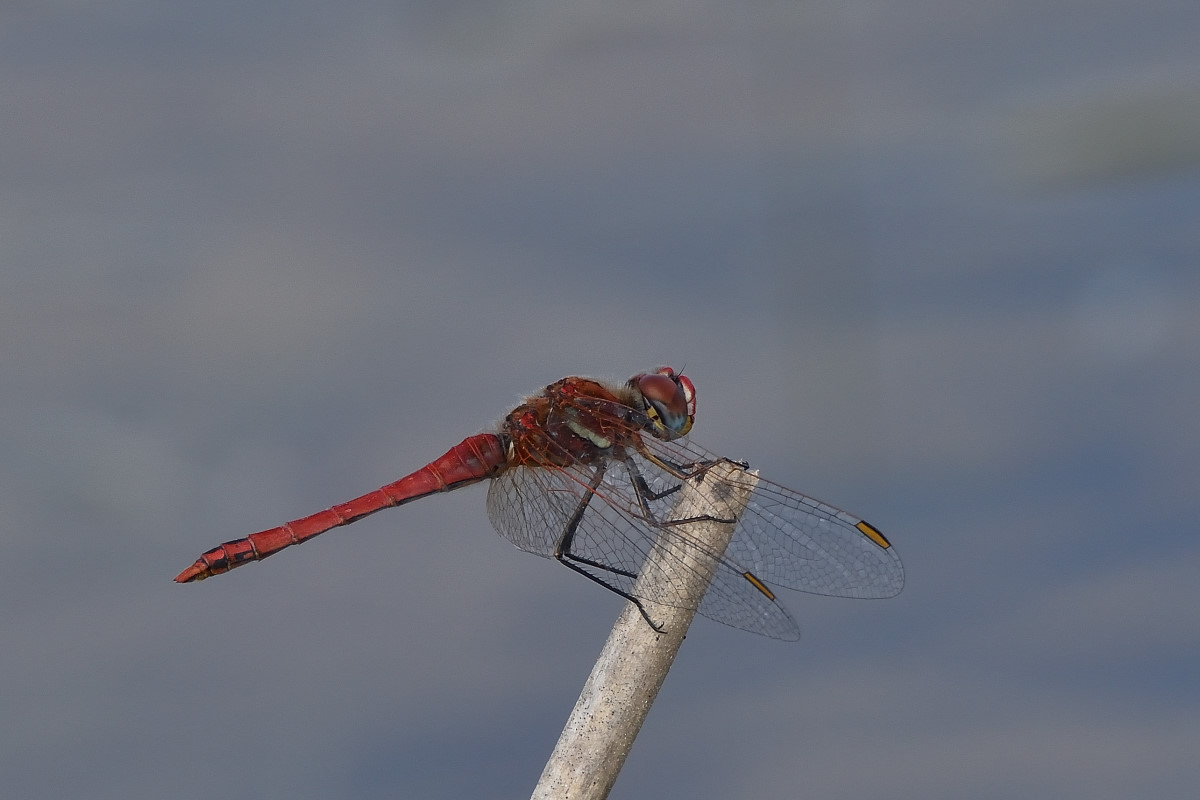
590	435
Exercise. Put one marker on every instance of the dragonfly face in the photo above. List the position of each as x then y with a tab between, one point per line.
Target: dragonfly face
669	400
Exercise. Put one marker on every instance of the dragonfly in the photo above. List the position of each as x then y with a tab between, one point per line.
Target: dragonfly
584	472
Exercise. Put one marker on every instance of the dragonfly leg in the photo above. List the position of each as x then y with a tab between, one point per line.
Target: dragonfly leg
646	496
567	560
564	556
689	469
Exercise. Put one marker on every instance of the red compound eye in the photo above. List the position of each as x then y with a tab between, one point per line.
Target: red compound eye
670	399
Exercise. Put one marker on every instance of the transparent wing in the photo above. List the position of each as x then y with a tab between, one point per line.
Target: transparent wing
788	539
532	507
622	504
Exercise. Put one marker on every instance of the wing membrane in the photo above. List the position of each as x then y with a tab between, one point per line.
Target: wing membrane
783	538
794	541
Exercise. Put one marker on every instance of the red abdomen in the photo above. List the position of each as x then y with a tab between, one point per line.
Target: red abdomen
475	458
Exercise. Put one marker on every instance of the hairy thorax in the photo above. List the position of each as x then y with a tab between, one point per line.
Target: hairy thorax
572	421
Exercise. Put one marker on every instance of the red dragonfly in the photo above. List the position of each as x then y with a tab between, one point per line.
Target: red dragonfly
583	473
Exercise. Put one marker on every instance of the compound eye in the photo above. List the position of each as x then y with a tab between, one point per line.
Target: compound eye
689	394
657	388
669	400
689	390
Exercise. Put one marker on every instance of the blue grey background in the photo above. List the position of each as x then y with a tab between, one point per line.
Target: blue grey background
933	262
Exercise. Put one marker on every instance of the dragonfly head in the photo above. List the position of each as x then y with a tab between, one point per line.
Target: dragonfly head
668	400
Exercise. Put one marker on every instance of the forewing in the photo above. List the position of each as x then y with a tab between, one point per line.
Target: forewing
791	540
532	507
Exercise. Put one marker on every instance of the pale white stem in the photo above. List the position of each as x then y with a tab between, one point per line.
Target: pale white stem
634	662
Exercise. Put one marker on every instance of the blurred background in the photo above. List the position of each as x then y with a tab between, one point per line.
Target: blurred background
935	263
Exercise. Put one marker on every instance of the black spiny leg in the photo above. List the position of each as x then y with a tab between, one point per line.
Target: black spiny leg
646	496
692	469
564	556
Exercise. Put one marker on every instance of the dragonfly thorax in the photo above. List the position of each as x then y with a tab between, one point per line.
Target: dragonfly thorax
592	436
573	421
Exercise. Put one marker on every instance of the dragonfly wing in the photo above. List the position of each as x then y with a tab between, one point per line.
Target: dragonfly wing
802	543
532	507
532	510
734	600
794	541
